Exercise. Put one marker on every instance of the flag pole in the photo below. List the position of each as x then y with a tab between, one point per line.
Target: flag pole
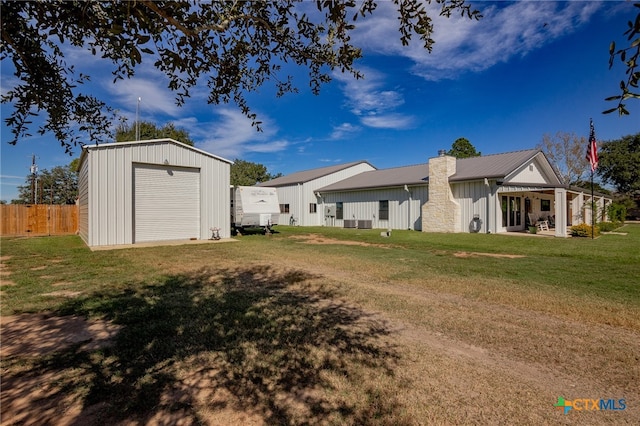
593	215
592	157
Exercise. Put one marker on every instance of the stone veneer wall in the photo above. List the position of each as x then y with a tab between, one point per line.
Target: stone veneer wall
441	213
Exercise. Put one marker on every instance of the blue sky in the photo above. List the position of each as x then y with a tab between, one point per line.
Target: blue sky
526	69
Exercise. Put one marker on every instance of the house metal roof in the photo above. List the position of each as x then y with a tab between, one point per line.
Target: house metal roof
309	175
398	176
490	166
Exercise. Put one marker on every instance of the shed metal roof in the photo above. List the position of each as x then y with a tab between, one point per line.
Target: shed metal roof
490	166
86	148
309	175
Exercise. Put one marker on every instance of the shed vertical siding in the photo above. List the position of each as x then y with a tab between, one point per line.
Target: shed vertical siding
83	203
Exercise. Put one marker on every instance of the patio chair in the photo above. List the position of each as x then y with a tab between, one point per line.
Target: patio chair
543	225
552	221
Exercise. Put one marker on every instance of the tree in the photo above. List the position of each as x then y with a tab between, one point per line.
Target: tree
566	153
56	186
246	173
462	148
125	133
230	47
619	164
633	76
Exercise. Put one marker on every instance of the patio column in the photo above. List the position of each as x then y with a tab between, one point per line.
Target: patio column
561	212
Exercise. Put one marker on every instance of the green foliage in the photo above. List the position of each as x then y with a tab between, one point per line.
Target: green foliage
617	212
619	163
231	48
126	133
609	226
462	148
56	186
630	56
584	230
246	173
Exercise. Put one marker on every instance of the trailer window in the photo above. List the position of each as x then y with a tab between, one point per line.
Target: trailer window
284	208
339	214
313	207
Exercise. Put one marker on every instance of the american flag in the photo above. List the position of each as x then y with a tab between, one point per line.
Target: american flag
592	150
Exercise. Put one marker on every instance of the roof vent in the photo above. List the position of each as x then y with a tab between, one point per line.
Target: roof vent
442	152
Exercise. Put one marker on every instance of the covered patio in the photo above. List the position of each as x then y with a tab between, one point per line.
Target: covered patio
552	210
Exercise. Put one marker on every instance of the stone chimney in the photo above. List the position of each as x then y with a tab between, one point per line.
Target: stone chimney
441	213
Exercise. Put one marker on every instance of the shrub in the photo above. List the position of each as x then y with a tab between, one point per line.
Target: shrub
584	230
617	212
609	226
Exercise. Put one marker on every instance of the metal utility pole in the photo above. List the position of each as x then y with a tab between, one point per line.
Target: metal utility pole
34	178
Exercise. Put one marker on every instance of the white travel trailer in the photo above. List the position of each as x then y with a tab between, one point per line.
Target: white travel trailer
254	207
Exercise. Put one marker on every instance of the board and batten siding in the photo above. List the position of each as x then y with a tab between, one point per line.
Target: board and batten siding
291	195
404	207
110	188
474	198
529	172
300	195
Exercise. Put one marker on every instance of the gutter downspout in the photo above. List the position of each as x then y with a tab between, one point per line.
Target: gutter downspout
489	199
406	188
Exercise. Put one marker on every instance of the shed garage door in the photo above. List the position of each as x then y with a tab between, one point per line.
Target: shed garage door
166	203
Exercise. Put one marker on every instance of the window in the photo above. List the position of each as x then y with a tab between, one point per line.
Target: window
284	208
545	205
313	207
339	211
383	210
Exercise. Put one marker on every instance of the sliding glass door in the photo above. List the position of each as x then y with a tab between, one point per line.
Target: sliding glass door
512	213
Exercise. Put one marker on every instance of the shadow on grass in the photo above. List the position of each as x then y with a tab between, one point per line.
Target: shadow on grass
278	347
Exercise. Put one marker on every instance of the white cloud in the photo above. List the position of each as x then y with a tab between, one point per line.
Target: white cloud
344	130
154	98
462	45
368	99
232	135
388	121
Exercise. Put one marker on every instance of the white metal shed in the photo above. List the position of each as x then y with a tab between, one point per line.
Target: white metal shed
153	190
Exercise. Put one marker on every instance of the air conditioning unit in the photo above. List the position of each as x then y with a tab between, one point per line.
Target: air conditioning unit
350	223
365	224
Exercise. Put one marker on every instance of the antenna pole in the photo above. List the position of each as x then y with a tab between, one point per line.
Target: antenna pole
138	119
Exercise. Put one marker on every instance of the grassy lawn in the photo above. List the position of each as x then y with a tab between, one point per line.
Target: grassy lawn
331	326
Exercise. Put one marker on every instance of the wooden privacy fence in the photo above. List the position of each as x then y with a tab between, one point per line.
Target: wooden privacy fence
38	219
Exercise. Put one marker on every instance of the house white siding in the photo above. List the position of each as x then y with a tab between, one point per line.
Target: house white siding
472	198
404	207
528	172
300	195
110	188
